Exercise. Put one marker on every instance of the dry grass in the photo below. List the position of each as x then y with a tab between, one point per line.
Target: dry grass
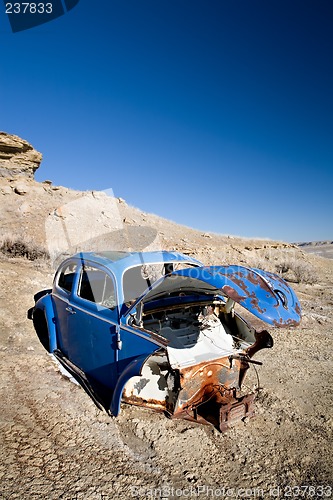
288	264
303	271
22	247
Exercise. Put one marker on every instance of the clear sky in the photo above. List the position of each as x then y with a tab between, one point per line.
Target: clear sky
217	114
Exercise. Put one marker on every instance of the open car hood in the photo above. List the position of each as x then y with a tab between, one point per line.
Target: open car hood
264	294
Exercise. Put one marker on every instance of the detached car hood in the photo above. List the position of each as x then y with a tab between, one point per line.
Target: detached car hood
264	294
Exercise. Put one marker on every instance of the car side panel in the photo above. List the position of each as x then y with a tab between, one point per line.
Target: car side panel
134	343
92	344
132	369
61	319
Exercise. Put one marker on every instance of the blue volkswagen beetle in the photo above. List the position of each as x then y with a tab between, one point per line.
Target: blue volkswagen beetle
160	330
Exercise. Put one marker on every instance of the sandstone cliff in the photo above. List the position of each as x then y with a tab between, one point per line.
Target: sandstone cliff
17	157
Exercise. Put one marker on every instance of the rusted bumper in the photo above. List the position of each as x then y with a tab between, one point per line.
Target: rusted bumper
210	393
235	412
221	416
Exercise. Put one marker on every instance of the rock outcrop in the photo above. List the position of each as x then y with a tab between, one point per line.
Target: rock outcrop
17	157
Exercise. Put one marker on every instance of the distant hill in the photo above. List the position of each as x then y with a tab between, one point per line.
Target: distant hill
320	248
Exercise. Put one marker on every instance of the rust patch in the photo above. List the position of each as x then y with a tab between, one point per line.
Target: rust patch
263	341
256	279
255	303
231	292
239	282
221	416
286	323
216	381
155	404
234	412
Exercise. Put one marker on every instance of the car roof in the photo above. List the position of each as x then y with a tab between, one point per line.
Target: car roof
121	261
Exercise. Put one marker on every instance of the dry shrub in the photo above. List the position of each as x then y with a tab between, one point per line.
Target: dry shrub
22	247
301	271
290	265
265	260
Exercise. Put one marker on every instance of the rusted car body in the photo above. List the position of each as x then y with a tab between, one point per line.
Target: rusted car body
159	330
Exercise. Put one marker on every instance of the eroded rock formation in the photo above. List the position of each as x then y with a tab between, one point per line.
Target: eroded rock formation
17	157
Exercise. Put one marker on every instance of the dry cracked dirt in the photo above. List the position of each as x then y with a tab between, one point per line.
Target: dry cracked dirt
56	444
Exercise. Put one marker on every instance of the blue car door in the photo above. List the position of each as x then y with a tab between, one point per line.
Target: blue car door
92	326
64	283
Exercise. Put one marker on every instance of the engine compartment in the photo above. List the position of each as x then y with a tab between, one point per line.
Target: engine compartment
203	365
198	333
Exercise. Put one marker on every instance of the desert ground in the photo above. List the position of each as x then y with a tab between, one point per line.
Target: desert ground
56	444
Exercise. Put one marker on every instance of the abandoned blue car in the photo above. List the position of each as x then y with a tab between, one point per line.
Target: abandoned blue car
160	330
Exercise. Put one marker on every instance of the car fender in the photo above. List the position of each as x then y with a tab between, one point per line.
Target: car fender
45	304
133	369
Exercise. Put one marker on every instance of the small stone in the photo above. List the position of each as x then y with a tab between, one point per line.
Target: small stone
98	195
6	190
126	220
25	208
57	213
20	189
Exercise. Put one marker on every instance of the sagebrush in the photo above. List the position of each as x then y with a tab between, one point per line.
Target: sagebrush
22	247
289	266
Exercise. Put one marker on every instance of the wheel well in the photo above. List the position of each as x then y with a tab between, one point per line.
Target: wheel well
40	325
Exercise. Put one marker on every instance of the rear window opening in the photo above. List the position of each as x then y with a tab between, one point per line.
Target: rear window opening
138	279
66	277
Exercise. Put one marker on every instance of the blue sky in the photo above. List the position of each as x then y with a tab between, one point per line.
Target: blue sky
215	114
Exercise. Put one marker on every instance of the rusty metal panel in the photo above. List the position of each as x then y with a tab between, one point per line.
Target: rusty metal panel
234	412
209	387
264	294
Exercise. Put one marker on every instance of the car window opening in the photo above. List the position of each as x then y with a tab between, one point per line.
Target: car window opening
97	286
66	277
